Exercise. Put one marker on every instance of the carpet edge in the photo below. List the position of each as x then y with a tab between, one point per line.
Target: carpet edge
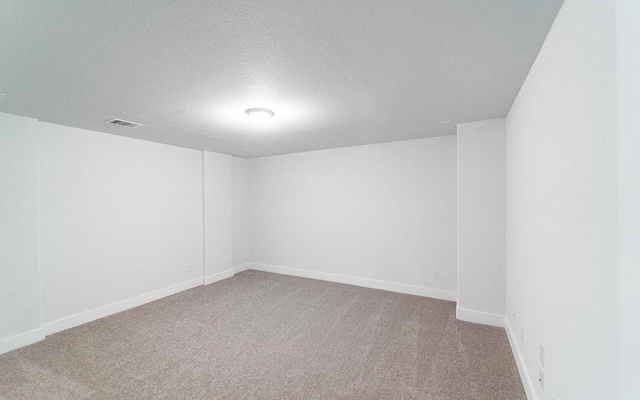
84	317
404	288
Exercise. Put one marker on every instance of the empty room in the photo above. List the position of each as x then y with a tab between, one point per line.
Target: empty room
320	200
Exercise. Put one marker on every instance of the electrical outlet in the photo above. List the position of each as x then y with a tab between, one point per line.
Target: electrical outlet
541	354
436	274
190	267
541	377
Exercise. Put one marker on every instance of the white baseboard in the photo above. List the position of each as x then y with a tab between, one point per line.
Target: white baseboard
219	276
101	312
480	317
525	377
242	267
364	282
21	340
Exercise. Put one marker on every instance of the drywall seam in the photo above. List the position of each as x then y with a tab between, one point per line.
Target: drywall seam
113	308
21	340
219	276
39	237
364	282
522	368
204	220
480	317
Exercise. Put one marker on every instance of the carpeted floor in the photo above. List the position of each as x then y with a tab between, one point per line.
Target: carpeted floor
266	336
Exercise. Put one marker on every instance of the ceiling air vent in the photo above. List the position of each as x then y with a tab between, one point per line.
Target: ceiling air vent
123	123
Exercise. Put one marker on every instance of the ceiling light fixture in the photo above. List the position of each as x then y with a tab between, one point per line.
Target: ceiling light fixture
259	115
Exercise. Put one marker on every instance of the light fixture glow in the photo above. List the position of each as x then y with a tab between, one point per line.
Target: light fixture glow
259	115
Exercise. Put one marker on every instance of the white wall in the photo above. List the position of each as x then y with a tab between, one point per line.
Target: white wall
121	223
241	212
562	267
19	269
384	212
481	221
628	65
218	186
120	218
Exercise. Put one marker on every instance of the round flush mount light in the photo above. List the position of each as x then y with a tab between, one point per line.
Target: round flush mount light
259	115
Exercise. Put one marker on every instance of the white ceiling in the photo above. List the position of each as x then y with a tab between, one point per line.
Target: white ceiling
336	73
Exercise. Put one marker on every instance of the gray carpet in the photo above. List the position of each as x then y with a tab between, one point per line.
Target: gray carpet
266	336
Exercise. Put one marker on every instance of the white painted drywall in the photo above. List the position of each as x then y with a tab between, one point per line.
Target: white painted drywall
119	218
628	67
481	216
218	186
19	269
241	212
562	267
385	212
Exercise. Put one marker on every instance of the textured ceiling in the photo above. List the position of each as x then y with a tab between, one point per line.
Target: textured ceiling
336	73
